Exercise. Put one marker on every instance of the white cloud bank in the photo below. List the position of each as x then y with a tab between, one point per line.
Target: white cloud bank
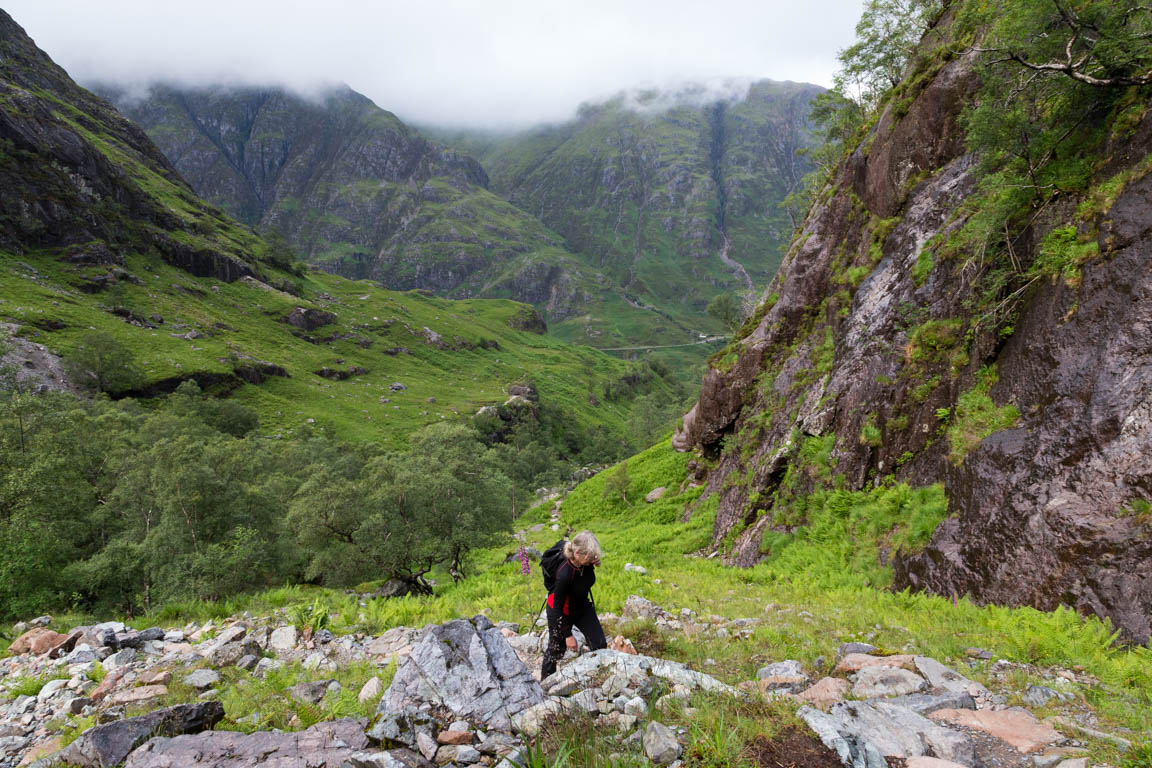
500	63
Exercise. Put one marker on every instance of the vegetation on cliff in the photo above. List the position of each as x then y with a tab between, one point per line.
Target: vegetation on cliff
973	224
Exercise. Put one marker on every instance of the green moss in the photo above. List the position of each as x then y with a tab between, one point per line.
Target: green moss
976	416
870	434
1062	254
923	267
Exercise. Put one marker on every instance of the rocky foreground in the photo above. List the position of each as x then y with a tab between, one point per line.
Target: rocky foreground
464	693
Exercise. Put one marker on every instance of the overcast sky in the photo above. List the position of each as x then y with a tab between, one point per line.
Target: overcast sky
484	63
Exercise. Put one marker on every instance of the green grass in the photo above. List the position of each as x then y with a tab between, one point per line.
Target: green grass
822	585
925	263
253	704
32	685
240	321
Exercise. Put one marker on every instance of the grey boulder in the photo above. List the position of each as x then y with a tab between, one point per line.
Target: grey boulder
467	668
876	682
660	744
863	734
310	693
202	679
940	676
107	745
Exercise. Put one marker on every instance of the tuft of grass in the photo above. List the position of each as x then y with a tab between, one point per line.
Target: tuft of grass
252	704
976	416
32	685
71	728
925	263
1062	254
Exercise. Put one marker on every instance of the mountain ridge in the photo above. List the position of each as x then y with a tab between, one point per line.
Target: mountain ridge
447	230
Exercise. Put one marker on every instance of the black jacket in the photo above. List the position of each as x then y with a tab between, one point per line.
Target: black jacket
571	593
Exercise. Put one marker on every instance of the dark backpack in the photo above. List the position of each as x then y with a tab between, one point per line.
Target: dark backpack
550	562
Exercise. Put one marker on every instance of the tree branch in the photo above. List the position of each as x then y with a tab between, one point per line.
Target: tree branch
1071	70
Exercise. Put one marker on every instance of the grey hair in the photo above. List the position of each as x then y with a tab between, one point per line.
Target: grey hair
585	546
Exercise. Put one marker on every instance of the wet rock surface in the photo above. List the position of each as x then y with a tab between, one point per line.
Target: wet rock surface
1034	511
1054	534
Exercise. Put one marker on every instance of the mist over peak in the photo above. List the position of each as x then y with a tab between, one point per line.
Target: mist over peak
446	63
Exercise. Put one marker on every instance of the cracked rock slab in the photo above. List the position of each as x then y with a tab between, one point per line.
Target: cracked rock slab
467	668
324	745
863	734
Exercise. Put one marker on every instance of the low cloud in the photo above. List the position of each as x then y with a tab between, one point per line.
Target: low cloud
504	64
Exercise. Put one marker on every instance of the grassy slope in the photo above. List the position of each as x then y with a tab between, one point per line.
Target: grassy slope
827	588
241	319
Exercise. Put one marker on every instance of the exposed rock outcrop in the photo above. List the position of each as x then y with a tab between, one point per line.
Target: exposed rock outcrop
68	177
869	335
465	667
324	745
109	745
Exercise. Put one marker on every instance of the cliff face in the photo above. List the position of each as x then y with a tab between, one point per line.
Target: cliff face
356	191
262	152
875	337
77	177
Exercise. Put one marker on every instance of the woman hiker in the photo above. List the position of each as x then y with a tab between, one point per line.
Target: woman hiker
569	603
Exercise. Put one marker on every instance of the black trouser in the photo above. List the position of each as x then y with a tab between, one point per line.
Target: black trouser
588	624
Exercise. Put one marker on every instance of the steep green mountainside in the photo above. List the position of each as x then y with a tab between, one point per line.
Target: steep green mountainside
361	194
100	233
80	180
620	225
352	187
965	304
675	195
